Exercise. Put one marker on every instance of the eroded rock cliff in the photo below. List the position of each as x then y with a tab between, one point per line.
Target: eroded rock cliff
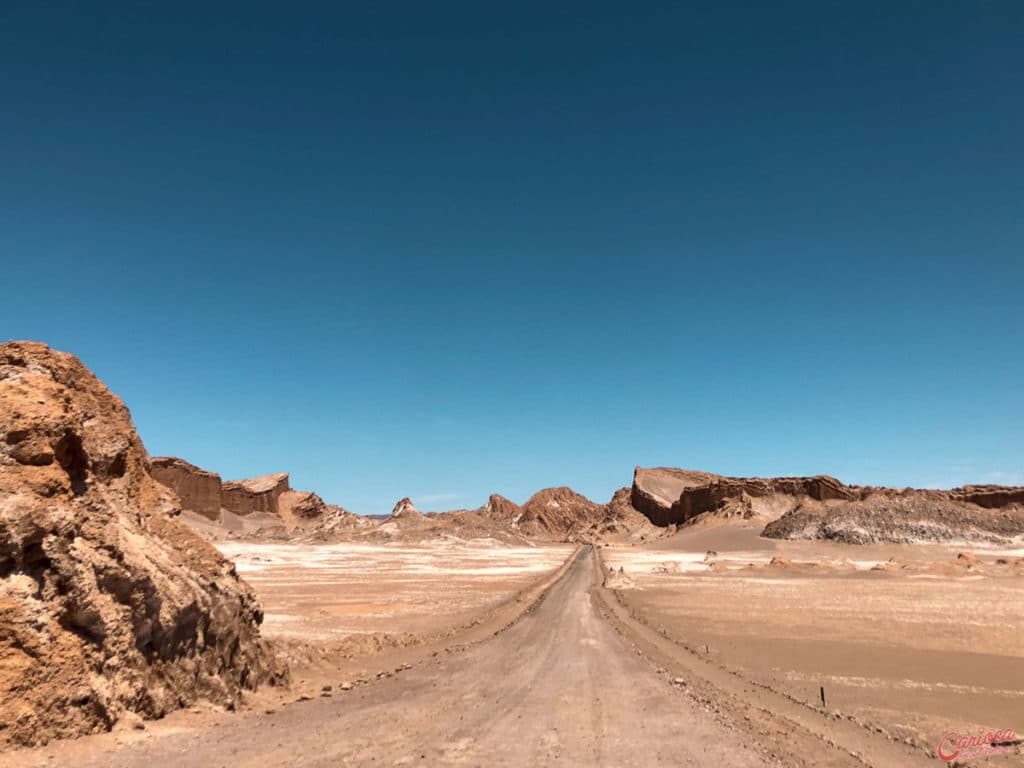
108	604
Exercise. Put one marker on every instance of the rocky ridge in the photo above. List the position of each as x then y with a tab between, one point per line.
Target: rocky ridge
109	606
822	507
260	505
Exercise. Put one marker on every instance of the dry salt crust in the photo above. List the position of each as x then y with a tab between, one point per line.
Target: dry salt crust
915	653
330	591
668	563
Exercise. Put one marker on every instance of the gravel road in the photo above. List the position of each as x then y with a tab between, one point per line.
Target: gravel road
558	687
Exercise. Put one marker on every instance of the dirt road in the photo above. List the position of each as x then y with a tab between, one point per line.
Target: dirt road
558	687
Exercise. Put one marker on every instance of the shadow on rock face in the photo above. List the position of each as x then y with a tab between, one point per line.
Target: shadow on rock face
108	605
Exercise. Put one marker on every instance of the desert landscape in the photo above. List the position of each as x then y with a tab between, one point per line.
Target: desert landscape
511	385
152	611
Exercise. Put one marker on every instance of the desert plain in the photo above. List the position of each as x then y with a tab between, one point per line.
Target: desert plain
153	614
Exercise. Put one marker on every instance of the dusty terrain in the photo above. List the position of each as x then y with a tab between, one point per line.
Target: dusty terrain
560	686
350	599
588	675
694	619
912	640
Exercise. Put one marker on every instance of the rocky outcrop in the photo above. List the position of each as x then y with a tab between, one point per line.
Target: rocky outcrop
500	508
655	491
821	507
558	513
673	496
299	506
908	516
252	499
405	508
255	494
198	490
989	496
621	516
108	605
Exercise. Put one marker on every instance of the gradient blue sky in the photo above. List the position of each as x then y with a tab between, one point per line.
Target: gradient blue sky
444	249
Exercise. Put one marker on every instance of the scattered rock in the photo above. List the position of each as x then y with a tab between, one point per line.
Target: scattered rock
618	580
966	559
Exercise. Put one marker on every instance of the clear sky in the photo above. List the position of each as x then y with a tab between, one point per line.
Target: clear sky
448	249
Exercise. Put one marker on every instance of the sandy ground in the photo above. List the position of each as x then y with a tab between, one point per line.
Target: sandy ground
915	651
560	686
329	592
520	657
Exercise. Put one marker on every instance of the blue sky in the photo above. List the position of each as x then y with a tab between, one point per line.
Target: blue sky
448	249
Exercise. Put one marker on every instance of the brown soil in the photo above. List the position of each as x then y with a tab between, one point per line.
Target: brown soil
910	641
559	686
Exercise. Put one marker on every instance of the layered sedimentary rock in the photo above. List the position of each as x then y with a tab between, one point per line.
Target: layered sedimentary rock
673	496
254	494
903	516
198	490
108	604
989	496
821	507
654	491
257	501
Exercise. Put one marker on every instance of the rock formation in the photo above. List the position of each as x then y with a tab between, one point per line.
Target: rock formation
655	491
295	506
905	516
405	508
108	605
255	494
673	496
198	490
620	516
822	507
988	496
557	512
500	508
258	506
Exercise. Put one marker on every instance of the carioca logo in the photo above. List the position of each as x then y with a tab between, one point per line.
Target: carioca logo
953	745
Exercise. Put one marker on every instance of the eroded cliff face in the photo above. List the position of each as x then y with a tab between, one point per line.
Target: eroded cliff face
654	491
108	604
822	507
255	494
198	490
905	516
